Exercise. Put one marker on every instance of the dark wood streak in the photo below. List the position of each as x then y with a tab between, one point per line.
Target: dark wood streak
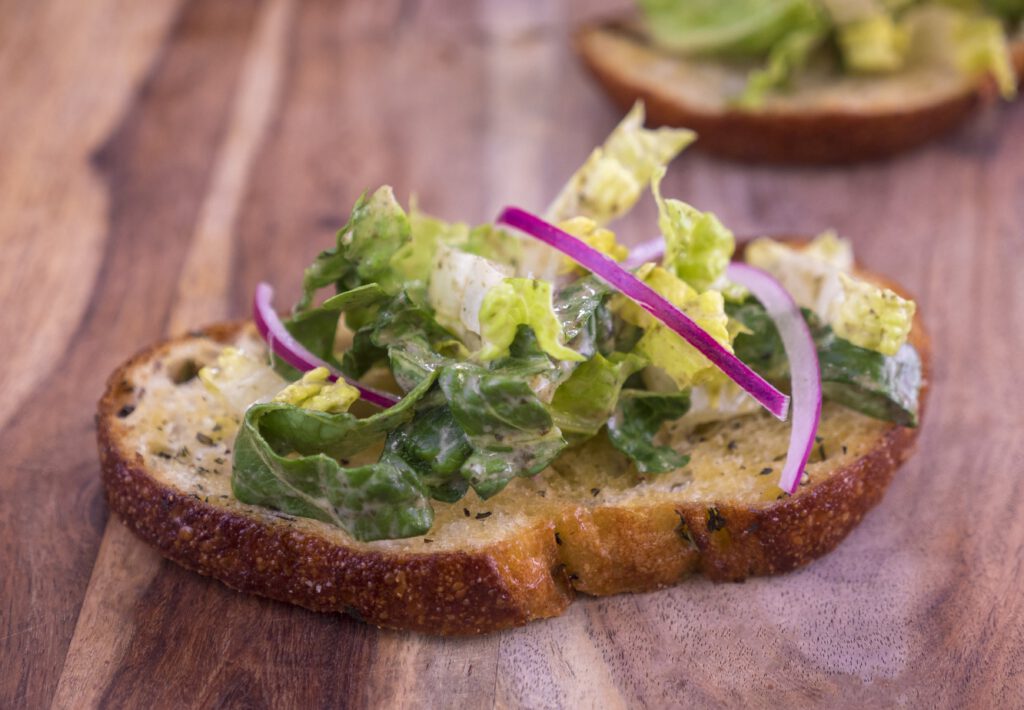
155	165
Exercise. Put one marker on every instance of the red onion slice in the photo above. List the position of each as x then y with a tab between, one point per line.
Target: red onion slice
805	373
651	301
285	346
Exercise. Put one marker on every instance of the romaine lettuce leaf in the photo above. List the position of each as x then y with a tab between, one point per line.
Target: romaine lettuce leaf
698	246
509	429
599	238
872	317
376	230
873	44
638	417
291	459
784	61
458	285
880	386
434	446
314	391
749	28
612	179
584	402
867	315
517	302
664	348
981	48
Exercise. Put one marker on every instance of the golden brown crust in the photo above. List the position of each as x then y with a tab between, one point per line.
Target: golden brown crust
601	550
806	137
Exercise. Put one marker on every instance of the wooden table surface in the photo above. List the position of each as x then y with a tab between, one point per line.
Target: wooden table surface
159	158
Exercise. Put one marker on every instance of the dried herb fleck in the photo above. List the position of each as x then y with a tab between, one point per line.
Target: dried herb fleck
765	471
683	530
204	439
715	520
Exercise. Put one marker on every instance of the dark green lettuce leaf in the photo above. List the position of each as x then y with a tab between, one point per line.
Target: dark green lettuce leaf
881	386
376	230
586	400
435	447
294	460
509	429
637	419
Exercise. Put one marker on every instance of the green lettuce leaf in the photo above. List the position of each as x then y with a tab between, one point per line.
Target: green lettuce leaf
459	283
434	446
292	459
874	44
785	59
881	386
516	302
509	429
748	28
612	179
982	48
662	346
586	400
637	419
698	247
867	315
377	229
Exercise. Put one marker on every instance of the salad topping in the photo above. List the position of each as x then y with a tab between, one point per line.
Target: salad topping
780	39
502	355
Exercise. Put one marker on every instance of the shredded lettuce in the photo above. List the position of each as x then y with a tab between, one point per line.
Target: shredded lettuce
748	28
874	44
664	348
501	373
599	238
790	55
698	246
867	315
521	302
612	179
638	417
872	36
458	284
981	48
585	402
314	391
871	317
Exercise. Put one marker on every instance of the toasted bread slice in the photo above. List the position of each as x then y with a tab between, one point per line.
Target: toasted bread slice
822	118
590	524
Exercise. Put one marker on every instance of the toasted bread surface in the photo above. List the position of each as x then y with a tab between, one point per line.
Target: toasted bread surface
589	524
822	118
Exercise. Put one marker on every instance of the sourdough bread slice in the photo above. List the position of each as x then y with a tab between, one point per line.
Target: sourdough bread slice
589	524
821	118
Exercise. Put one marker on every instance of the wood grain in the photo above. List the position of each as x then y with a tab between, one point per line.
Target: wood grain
165	156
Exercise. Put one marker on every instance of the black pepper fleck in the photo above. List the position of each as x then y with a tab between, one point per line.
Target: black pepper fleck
481	516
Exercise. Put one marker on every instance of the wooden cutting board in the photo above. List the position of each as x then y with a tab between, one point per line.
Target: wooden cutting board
157	159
